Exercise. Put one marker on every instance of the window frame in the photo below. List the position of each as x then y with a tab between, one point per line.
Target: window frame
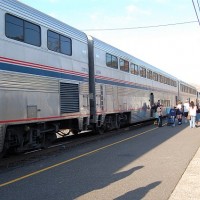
143	71
59	39
25	26
125	66
134	69
149	74
113	61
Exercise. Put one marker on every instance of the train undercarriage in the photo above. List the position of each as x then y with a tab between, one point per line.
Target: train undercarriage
26	137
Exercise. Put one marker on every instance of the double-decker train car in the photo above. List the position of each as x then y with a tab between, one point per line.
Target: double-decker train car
54	77
185	89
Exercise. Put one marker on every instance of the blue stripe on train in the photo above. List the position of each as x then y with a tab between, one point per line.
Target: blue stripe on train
41	72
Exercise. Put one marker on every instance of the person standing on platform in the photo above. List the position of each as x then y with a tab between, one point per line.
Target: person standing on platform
192	114
179	112
185	110
159	112
198	116
153	110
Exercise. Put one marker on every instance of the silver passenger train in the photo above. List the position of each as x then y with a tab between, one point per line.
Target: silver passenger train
54	77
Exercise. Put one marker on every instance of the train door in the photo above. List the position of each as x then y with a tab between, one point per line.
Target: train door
99	98
151	101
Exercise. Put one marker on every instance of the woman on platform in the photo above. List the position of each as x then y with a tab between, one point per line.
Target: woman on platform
192	114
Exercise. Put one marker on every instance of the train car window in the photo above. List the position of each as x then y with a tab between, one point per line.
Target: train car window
172	82
155	76
124	65
14	27
65	45
161	79
53	41
21	30
32	34
111	61
165	80
59	43
185	88
149	74
134	69
168	81
143	72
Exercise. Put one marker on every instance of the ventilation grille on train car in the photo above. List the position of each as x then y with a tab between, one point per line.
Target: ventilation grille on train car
69	98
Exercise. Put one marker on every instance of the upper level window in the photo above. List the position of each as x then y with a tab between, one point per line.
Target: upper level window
143	72
111	61
161	78
59	43
168	81
22	30
155	76
134	69
149	74
124	65
165	80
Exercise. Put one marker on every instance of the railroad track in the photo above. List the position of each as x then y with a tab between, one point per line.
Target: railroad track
59	146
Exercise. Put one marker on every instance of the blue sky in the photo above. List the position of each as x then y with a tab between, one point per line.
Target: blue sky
174	49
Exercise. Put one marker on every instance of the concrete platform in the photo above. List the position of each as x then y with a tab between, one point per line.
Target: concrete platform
188	188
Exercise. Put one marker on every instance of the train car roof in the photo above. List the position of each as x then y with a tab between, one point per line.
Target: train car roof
22	10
